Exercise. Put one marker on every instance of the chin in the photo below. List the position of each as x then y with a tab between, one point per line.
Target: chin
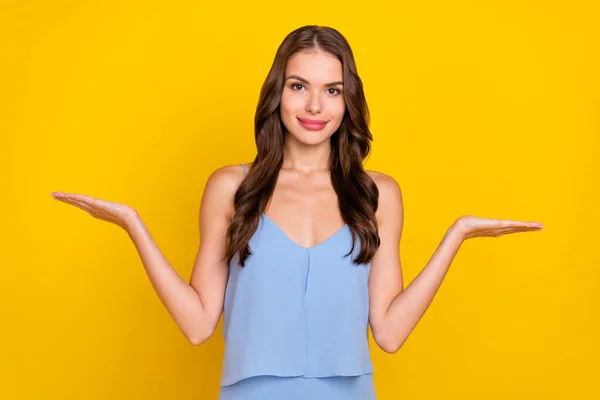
309	137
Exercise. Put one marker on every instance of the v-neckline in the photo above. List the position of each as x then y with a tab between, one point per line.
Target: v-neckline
324	241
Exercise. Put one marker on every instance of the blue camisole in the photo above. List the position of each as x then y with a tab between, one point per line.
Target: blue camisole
295	311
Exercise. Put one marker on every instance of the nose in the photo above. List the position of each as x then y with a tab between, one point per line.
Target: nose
313	104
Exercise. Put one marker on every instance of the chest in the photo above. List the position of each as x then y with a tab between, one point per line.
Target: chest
307	213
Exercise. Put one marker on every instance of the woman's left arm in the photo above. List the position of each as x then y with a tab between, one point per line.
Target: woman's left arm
394	312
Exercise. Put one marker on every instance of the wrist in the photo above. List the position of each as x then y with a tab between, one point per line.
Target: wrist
458	230
131	222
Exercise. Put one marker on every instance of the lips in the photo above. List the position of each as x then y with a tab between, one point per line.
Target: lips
312	124
312	121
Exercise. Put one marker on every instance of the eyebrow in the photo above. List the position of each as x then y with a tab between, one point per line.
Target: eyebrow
305	81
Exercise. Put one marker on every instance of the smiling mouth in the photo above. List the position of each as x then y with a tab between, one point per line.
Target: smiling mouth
312	125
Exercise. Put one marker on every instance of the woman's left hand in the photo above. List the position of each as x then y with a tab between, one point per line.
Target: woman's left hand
471	227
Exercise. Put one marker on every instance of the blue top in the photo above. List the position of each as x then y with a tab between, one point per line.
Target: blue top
295	310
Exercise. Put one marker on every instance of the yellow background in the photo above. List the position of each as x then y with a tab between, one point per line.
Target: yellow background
488	108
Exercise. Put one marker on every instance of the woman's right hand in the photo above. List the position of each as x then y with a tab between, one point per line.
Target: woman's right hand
119	214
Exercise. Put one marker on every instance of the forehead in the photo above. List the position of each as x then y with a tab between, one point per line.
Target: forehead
315	66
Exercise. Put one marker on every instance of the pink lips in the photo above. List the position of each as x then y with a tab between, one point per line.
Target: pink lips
312	124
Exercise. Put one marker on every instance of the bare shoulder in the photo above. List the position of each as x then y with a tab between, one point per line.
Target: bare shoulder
390	205
228	174
221	186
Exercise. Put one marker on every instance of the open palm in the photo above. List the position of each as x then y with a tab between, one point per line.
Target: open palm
119	214
472	226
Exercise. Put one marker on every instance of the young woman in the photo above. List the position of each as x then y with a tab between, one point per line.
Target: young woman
299	249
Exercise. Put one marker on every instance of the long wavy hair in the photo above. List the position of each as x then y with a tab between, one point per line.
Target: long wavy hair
350	144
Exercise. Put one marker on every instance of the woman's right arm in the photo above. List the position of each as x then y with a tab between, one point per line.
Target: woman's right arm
196	307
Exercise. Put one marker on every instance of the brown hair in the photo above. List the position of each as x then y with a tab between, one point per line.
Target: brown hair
350	144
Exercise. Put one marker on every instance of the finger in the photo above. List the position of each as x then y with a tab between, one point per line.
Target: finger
520	224
516	230
88	201
76	203
81	205
65	199
81	197
73	196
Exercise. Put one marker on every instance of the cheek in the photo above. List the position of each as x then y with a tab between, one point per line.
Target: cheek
287	110
290	102
338	109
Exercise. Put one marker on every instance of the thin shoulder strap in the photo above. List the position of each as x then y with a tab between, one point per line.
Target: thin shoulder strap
244	168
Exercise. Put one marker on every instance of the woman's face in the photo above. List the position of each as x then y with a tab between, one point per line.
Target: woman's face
313	90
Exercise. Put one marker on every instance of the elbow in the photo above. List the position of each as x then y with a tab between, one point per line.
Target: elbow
389	348
199	331
388	345
197	339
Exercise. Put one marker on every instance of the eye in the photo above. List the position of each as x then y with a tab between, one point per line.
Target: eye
336	91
